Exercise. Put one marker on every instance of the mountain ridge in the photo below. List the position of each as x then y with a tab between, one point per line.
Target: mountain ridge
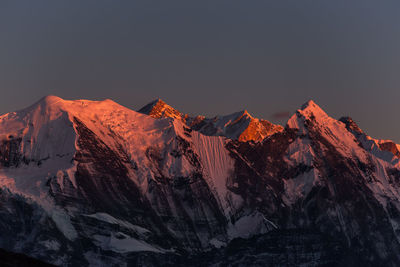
238	125
133	188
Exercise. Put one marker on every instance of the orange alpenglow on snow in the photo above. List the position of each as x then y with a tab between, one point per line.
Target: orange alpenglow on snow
240	125
390	146
159	109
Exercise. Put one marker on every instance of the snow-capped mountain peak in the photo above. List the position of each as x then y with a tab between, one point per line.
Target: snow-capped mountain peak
159	109
231	119
245	113
351	125
50	99
311	110
239	125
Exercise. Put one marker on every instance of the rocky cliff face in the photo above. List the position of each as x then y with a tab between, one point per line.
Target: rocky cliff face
91	183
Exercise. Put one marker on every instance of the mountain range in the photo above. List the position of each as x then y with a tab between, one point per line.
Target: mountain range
93	183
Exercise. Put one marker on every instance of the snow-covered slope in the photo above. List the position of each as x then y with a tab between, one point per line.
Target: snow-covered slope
76	158
94	183
239	125
46	133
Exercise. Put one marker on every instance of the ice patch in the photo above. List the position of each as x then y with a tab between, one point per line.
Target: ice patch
249	225
63	223
217	243
51	244
122	243
111	220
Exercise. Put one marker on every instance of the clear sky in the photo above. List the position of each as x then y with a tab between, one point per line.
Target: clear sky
208	57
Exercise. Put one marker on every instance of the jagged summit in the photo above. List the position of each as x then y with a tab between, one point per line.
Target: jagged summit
308	111
233	117
238	125
311	109
155	102
390	146
159	109
245	113
237	115
309	103
351	124
311	118
369	142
